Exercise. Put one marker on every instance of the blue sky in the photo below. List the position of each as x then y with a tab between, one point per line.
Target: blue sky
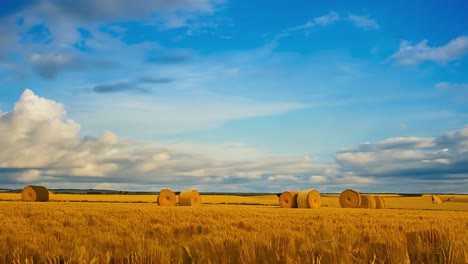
235	95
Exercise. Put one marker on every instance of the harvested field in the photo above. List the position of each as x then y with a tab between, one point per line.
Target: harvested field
134	233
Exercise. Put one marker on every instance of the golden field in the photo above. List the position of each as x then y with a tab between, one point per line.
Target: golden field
134	229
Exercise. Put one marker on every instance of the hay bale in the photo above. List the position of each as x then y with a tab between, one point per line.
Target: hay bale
288	199
189	198
33	193
436	199
367	201
379	202
309	199
166	198
350	199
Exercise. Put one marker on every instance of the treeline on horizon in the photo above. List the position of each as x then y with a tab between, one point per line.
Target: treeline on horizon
103	191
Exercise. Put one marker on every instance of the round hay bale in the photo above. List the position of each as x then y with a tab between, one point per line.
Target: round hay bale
189	198
350	199
379	202
288	199
166	198
309	199
367	201
33	193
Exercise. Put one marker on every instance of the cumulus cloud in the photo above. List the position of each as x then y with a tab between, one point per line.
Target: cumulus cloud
363	22
441	158
408	54
41	145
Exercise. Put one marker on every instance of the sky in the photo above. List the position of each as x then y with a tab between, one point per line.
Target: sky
234	96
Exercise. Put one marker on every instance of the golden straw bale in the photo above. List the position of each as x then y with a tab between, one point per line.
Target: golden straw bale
288	199
309	199
189	198
166	197
350	199
33	193
379	202
367	201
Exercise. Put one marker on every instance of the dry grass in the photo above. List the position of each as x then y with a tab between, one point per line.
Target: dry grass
392	201
80	232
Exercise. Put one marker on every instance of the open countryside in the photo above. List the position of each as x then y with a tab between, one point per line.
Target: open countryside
233	132
94	228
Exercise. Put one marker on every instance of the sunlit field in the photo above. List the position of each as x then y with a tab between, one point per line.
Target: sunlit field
230	229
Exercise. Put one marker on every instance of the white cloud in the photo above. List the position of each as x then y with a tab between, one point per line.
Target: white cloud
41	145
283	177
363	22
318	21
317	179
439	158
449	85
407	54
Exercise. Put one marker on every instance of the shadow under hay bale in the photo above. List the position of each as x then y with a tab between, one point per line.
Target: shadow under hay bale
367	201
189	198
288	199
166	198
379	202
33	193
350	199
309	199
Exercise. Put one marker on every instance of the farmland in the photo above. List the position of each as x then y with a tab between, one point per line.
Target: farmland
230	229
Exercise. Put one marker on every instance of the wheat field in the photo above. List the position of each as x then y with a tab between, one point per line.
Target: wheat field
230	229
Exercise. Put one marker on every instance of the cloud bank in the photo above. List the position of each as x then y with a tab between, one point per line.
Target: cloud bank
40	145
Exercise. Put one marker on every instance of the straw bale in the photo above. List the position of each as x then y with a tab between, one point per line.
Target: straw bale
350	199
166	198
288	199
189	198
309	199
33	193
367	201
379	202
